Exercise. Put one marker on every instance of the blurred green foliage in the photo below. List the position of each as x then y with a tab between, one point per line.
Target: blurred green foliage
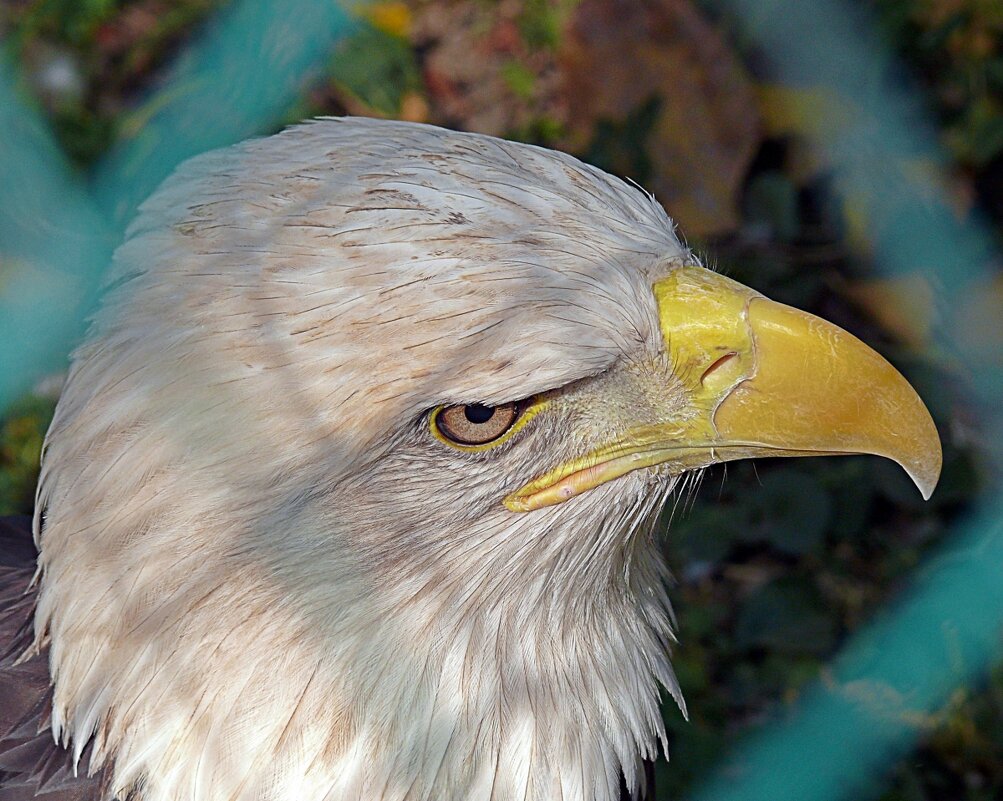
90	61
777	562
957	46
72	21
22	429
379	69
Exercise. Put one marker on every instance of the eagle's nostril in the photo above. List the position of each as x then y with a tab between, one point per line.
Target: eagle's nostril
717	365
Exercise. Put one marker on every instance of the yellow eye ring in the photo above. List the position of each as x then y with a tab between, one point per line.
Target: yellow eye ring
476	427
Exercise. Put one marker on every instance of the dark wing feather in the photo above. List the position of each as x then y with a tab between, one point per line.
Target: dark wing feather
31	764
646	792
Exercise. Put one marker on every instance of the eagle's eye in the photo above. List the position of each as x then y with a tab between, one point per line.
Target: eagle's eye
474	424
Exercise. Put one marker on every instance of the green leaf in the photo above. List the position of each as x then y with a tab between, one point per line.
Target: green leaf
520	79
378	68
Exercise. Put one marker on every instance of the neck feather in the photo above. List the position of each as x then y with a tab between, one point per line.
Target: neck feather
205	674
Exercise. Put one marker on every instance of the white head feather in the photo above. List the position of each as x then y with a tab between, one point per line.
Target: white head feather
261	577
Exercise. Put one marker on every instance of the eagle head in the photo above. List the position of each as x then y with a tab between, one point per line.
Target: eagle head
346	494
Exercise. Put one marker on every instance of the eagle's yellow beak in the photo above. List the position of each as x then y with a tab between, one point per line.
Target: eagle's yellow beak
763	379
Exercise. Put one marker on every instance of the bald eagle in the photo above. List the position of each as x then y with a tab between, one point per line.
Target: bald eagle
348	493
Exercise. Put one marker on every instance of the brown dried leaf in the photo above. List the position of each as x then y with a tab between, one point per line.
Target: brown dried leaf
620	55
904	306
978	323
480	73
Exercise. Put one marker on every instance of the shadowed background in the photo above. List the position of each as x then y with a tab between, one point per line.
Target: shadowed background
846	158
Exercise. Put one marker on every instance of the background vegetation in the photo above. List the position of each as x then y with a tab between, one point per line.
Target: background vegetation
777	562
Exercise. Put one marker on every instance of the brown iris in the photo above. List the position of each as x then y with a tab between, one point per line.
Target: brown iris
475	424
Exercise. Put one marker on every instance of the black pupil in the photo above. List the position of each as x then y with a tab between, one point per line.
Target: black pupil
478	414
